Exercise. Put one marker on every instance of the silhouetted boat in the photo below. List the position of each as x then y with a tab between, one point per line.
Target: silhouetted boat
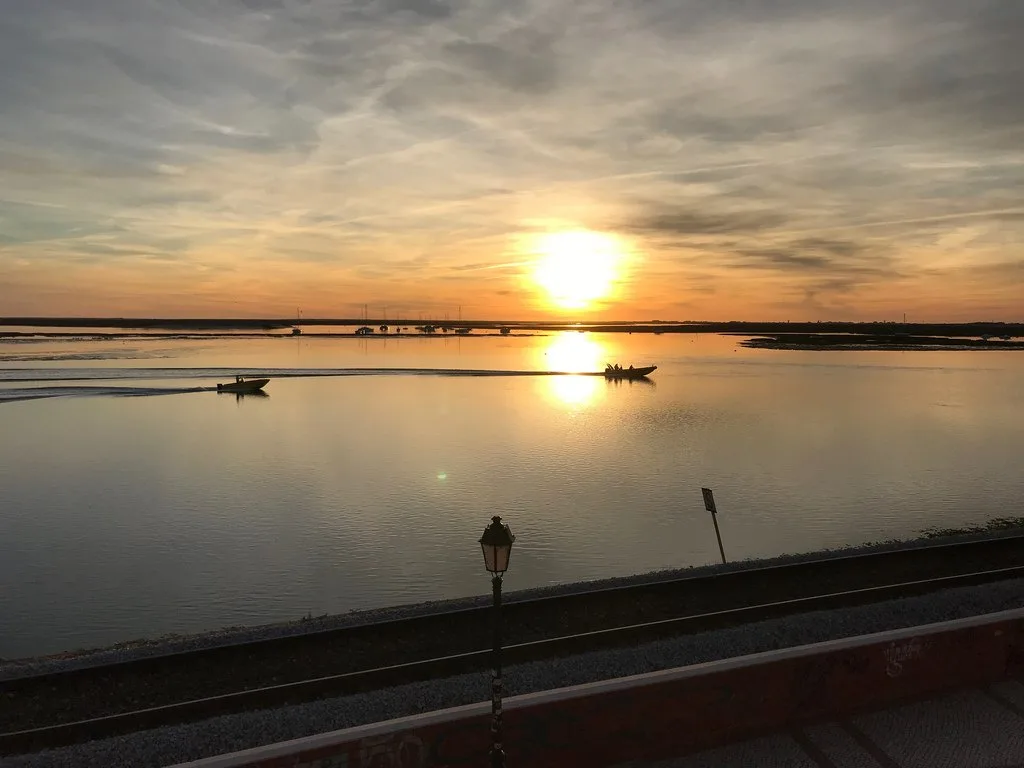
243	385
612	372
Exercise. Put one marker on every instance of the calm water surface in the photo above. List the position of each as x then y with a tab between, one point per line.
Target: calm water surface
178	510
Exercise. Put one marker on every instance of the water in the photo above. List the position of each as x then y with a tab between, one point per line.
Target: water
137	502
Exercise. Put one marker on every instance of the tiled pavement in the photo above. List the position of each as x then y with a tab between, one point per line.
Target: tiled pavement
978	728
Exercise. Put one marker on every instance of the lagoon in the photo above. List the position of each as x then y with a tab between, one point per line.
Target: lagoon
137	503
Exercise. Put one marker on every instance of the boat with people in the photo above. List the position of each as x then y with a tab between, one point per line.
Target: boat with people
618	372
241	384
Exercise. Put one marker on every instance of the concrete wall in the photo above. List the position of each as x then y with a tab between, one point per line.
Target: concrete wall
670	713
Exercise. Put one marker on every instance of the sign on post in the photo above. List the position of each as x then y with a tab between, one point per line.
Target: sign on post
709	500
709	505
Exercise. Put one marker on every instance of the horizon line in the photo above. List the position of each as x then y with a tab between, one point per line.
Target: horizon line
65	319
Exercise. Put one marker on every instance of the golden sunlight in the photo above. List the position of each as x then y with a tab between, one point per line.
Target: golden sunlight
576	353
574	390
577	268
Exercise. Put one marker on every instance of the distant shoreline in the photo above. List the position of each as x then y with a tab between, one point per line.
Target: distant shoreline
893	342
222	333
913	334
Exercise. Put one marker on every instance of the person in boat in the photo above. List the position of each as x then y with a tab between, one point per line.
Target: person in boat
631	367
238	379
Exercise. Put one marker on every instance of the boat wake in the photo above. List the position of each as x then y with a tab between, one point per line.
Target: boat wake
18	394
122	374
56	381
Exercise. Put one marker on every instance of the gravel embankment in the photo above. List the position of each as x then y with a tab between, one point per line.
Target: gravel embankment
142	648
100	691
167	746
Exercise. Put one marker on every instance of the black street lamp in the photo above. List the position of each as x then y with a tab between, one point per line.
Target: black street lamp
497	546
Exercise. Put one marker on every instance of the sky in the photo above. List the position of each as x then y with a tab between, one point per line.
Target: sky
517	159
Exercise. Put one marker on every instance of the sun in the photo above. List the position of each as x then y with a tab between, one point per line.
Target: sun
577	268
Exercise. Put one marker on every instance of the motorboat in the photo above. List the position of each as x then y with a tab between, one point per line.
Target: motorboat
243	385
618	372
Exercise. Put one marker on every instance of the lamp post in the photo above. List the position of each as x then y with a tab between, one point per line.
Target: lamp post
497	546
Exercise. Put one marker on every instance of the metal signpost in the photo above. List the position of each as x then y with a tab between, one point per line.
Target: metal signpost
709	505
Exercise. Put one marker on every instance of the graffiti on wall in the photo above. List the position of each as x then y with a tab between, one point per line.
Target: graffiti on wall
396	750
897	656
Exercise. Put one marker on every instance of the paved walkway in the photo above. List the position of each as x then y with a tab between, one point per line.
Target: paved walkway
979	728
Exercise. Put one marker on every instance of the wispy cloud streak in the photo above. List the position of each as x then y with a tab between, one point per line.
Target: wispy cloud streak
762	158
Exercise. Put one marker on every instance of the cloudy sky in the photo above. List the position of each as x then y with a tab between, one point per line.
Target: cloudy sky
750	159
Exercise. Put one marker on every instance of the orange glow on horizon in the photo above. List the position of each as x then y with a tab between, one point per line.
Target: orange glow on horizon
672	286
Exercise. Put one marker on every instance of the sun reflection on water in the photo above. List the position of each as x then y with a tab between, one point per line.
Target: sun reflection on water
574	390
575	353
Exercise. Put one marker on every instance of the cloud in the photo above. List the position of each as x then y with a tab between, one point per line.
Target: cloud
685	224
1005	270
791	147
828	265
